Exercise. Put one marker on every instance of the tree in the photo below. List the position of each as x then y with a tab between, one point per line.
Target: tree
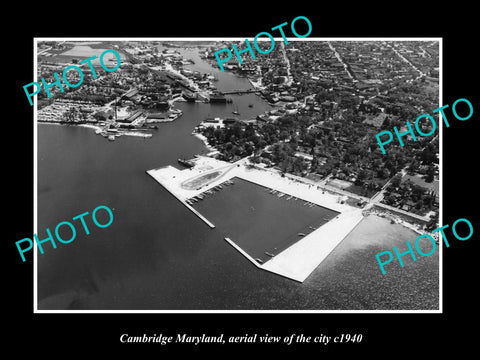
430	176
413	167
298	165
428	200
428	155
237	130
385	173
83	116
396	181
419	205
255	159
377	164
249	131
284	135
389	200
362	175
371	186
314	164
417	192
219	135
71	114
286	164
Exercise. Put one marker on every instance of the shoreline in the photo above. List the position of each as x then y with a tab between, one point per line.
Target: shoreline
212	150
386	214
99	128
255	84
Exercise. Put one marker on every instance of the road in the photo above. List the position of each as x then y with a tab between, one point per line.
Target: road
400	211
50	48
44	50
374	201
287	62
337	55
320	185
378	197
406	60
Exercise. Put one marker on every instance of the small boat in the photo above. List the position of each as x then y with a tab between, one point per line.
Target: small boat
250	105
259	260
111	137
301	234
269	254
186	163
313	228
236	111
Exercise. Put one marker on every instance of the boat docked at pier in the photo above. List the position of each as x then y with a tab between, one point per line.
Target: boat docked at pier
186	163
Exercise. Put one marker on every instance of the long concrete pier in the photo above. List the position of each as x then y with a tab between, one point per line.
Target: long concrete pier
165	186
241	251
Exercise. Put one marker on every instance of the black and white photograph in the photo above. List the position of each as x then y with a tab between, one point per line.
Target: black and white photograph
240	184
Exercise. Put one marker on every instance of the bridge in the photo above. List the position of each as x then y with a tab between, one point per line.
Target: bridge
244	91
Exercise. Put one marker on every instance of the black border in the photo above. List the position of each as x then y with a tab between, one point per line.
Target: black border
383	334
